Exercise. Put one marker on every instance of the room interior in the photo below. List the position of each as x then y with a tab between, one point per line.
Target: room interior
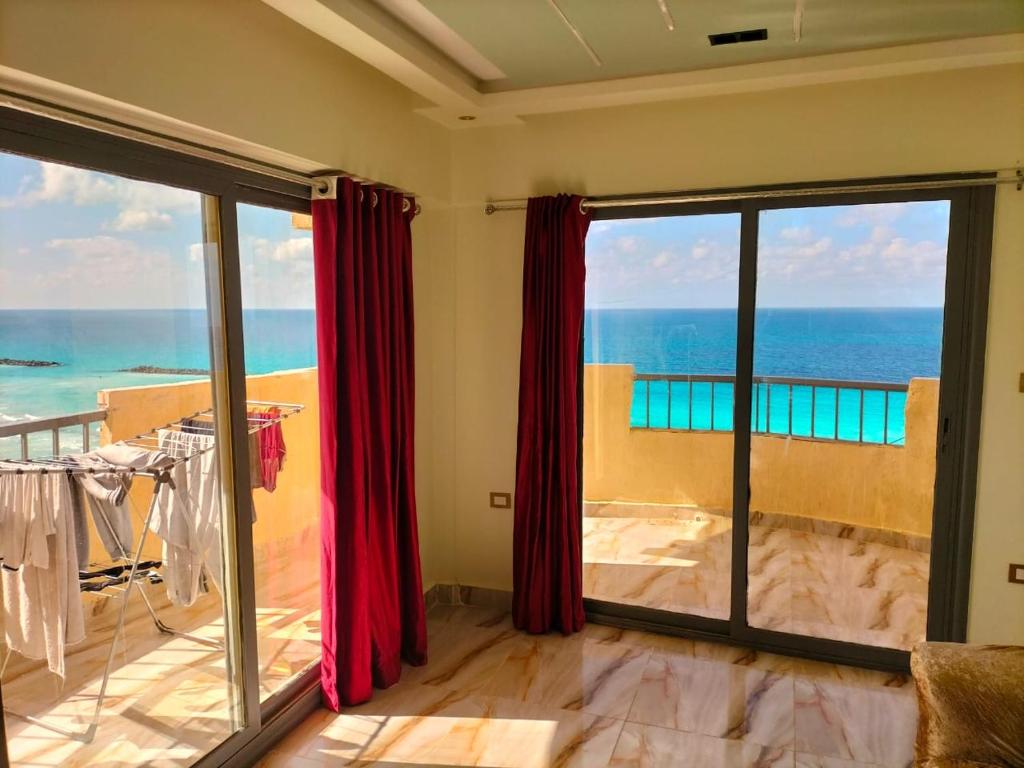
779	636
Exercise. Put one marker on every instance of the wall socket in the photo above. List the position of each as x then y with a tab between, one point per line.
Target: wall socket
501	500
1016	573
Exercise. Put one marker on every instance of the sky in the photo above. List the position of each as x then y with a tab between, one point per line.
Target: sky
77	239
72	238
880	255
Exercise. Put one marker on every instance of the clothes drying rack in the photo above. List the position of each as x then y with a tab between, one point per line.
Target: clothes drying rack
137	569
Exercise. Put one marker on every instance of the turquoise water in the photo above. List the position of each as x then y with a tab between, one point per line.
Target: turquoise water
882	345
92	346
875	345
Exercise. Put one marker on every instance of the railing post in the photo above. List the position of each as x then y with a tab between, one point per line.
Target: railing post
860	434
837	414
712	406
648	403
789	422
668	383
689	405
24	445
885	419
814	390
56	441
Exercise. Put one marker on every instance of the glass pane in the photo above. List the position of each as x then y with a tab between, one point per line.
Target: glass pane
105	333
847	347
660	357
276	251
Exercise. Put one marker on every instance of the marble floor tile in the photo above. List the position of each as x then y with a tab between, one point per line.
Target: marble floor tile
852	721
646	746
612	697
718	699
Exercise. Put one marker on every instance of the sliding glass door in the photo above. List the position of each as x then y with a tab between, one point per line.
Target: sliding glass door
119	601
158	507
847	360
659	372
780	417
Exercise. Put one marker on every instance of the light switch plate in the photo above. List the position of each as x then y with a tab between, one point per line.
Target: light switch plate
501	500
1016	573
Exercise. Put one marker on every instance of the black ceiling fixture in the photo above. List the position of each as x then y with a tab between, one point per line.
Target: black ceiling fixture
746	36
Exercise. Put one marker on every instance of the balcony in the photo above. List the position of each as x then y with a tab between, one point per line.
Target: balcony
171	695
841	479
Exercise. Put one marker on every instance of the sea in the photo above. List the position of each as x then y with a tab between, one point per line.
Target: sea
889	346
95	347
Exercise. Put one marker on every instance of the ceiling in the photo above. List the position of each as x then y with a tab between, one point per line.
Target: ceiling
494	61
532	46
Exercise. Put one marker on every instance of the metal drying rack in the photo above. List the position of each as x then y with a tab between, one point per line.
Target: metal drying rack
139	571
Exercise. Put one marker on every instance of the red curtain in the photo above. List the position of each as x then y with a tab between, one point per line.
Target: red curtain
547	548
372	597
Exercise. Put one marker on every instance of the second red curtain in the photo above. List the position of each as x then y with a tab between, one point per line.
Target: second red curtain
371	592
547	544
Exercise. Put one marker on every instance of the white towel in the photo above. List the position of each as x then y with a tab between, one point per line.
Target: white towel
42	604
187	517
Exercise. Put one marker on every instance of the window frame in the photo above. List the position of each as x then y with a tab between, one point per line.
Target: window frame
43	138
965	320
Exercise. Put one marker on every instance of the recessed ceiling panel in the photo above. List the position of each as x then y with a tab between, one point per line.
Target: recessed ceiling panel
529	42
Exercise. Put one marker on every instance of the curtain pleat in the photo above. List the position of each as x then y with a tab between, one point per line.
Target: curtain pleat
372	613
547	546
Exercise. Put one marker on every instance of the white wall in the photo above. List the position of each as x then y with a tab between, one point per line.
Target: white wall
963	120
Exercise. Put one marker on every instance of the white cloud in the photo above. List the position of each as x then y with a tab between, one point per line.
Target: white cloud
797	234
64	184
131	220
662	260
104	271
872	214
626	244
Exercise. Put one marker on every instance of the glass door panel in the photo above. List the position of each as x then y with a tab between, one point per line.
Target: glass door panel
108	355
279	320
659	374
844	410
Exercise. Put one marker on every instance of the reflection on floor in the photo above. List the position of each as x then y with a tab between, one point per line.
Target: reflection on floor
492	696
168	701
819	582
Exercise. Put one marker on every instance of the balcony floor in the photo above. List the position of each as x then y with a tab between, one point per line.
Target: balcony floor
809	582
167	701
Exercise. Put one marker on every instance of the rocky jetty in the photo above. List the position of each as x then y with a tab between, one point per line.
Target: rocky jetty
29	363
165	371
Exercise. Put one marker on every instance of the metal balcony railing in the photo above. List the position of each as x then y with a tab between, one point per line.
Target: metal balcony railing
33	427
813	409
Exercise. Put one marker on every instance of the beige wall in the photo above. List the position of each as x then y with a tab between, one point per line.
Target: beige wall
873	486
961	120
242	68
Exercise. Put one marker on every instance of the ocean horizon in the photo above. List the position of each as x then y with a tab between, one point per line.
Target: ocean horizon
94	348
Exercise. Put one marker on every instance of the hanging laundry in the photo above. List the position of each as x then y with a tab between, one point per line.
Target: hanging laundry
105	491
187	516
272	449
42	605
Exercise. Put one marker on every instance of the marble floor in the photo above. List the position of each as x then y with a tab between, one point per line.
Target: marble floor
493	696
835	584
168	701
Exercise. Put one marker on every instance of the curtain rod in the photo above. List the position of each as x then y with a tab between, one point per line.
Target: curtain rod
498	206
42	108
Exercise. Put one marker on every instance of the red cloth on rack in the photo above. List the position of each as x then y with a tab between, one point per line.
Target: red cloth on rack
371	590
272	448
